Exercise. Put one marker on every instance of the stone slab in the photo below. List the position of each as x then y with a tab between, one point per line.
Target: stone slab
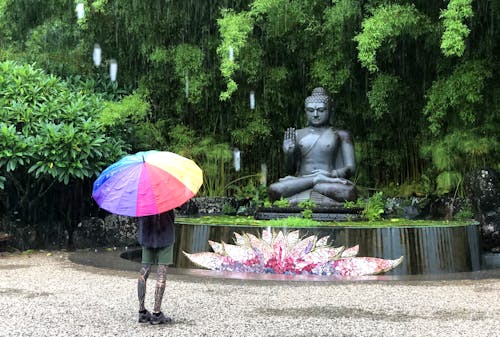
319	214
490	260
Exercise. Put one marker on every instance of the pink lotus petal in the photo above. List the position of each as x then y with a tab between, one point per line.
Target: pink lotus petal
279	239
261	248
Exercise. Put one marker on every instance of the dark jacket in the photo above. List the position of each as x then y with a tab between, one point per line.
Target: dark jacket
156	231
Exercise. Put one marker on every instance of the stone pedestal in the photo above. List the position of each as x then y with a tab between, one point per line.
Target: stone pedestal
319	214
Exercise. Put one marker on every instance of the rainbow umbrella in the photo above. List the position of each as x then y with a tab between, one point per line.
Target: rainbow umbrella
147	183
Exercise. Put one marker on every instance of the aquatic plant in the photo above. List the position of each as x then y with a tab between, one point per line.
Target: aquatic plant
279	253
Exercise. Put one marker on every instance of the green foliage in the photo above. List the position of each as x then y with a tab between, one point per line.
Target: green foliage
214	158
458	153
465	213
50	142
359	203
387	21
455	30
225	220
281	203
234	29
255	127
132	109
228	209
307	213
188	65
422	187
383	91
332	66
308	206
374	207
253	190
48	130
294	222
447	181
453	100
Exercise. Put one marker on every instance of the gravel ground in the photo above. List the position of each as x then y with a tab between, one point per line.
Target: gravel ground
44	295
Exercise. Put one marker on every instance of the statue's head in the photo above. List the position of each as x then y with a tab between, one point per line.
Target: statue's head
317	107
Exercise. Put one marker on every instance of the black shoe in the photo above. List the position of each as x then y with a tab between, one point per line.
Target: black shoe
159	318
144	316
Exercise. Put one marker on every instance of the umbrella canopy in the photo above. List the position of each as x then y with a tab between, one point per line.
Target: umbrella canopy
147	183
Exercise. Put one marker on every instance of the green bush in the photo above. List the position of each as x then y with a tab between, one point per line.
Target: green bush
50	134
374	207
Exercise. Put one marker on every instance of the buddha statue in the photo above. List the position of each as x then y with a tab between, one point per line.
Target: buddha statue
319	159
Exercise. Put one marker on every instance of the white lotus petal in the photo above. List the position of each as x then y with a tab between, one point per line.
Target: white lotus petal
267	236
292	238
322	242
217	247
237	253
351	252
301	248
208	260
239	239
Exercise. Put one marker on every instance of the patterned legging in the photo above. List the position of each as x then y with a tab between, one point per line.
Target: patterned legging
160	286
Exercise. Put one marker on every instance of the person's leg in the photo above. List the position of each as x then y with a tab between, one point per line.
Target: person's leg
147	260
160	287
141	285
165	257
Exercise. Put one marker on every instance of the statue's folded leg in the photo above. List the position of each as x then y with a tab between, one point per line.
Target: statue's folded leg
288	187
337	191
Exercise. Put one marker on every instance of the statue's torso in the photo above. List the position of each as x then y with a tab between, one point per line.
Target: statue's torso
318	149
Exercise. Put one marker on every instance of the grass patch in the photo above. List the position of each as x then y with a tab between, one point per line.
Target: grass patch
249	221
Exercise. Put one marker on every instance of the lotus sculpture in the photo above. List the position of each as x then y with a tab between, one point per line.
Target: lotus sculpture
280	253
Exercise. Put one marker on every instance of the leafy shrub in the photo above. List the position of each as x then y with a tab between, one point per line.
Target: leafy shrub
308	205
294	222
374	207
282	203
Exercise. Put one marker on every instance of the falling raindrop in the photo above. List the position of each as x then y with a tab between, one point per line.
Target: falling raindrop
252	100
80	10
186	86
113	69
96	55
263	174
237	159
231	54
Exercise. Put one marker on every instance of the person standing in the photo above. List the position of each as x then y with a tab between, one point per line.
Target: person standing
156	235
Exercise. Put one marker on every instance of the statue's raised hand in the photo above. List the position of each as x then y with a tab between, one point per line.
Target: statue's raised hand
289	141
